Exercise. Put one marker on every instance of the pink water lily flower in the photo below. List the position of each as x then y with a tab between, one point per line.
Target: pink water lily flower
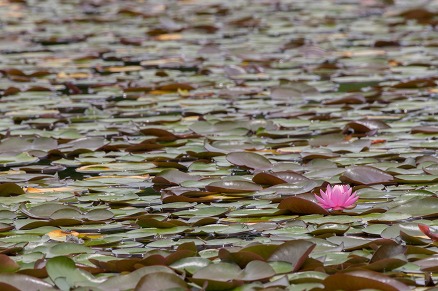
337	198
426	230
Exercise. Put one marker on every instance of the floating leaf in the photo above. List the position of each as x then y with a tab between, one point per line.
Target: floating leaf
7	265
173	177
191	264
365	175
365	126
424	207
10	189
250	160
23	282
256	270
278	178
292	90
219	276
99	215
160	281
425	129
301	206
63	272
63	249
294	252
363	279
232	187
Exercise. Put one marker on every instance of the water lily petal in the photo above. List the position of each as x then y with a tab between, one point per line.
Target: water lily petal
324	195
337	197
322	202
351	200
337	194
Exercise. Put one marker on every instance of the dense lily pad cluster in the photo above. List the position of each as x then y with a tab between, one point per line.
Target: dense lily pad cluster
180	144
